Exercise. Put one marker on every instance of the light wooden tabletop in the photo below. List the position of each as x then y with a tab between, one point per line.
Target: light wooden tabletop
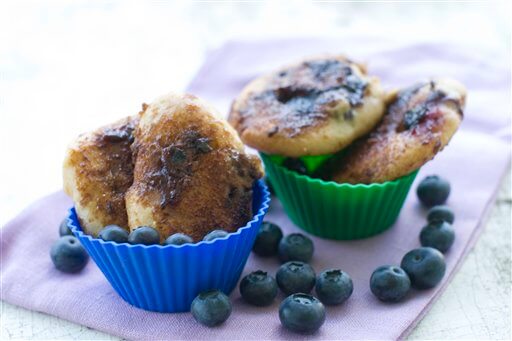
68	67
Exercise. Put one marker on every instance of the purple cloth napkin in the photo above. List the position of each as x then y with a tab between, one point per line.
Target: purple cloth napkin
474	162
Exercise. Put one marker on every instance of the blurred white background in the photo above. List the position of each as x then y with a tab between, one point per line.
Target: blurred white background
67	67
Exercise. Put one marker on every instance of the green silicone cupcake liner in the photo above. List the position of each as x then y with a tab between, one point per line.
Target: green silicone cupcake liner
337	211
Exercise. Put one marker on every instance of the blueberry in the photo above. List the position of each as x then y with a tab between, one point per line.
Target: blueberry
114	233
258	288
438	234
442	213
267	240
211	308
433	190
296	246
294	277
302	313
64	229
296	165
178	239
390	283
68	255
215	234
144	235
334	287
425	267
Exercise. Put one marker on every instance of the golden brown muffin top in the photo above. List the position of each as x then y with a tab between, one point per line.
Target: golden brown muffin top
317	106
419	122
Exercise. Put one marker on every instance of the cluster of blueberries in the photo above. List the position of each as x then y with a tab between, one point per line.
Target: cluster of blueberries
299	311
424	267
147	235
68	255
421	268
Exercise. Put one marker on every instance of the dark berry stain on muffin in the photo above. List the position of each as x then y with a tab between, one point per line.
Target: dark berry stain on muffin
303	96
355	88
403	98
322	69
273	131
413	112
176	164
288	93
414	115
119	134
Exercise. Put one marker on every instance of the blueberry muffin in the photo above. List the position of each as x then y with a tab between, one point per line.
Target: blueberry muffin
419	122
317	106
98	171
191	172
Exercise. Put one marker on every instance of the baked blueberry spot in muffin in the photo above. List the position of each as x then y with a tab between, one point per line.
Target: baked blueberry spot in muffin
176	163
414	115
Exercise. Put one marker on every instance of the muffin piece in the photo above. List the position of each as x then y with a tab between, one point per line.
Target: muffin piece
419	122
98	171
318	106
191	173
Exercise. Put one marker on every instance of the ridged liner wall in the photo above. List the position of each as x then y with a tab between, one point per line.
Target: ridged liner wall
167	278
338	211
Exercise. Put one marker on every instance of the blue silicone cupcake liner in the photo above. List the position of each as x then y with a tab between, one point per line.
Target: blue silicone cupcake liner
167	278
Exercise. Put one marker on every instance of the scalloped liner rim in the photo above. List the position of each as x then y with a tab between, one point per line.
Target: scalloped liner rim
321	182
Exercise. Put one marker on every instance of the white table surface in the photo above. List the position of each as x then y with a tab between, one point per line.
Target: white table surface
69	67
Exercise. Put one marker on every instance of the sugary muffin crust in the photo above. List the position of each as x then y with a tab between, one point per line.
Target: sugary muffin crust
191	172
419	122
98	171
315	107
